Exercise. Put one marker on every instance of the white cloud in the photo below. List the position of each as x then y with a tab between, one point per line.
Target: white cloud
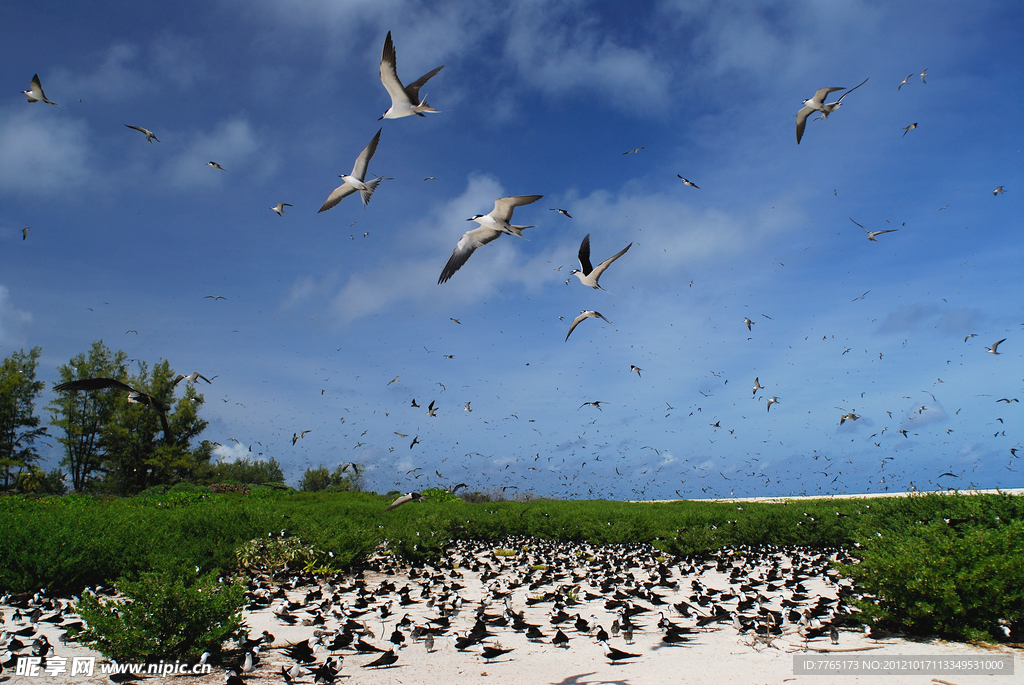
231	144
232	452
115	78
12	320
43	150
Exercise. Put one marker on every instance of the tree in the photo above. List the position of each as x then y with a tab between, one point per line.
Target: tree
341	480
82	415
137	453
244	472
19	427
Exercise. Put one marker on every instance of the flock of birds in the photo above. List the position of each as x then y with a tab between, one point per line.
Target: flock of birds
406	101
481	601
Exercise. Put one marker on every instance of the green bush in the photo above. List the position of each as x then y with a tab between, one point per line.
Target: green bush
933	579
167	615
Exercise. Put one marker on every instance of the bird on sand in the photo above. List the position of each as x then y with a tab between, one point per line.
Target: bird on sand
150	136
134	396
279	208
588	274
992	350
191	378
355	181
35	92
908	129
386	659
687	182
407	497
616	654
772	400
586	314
215	165
873	234
492	225
405	100
815	104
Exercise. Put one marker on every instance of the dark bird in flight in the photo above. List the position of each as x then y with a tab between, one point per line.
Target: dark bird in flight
134	396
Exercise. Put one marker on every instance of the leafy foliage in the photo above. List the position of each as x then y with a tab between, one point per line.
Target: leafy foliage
167	615
242	471
342	479
19	427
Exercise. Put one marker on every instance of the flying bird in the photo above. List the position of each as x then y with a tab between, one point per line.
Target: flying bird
815	104
431	409
772	400
851	416
904	82
466	408
191	378
415	441
405	100
992	350
757	386
407	497
561	211
24	232
633	151
829	107
492	225
872	234
923	74
297	436
999	189
150	136
908	129
597	404
749	323
586	314
134	396
687	182
355	180
215	165
35	92
589	275
635	368
279	208
215	297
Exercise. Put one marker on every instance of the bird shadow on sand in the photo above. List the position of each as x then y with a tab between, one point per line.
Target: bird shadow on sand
577	680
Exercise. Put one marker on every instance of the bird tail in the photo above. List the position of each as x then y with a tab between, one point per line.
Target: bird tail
368	192
518	230
423	107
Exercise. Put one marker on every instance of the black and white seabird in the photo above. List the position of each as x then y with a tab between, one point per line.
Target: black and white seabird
588	274
355	181
405	100
492	225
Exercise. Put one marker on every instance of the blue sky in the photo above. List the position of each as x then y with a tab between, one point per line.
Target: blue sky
323	310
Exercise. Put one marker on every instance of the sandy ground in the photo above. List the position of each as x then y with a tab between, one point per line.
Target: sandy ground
717	655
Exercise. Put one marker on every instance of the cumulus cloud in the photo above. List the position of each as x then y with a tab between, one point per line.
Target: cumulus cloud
230	144
43	151
235	451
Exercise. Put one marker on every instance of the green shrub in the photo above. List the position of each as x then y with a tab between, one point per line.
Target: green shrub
167	615
933	579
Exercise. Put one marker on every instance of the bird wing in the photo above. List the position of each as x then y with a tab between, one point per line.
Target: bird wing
363	160
865	230
604	319
851	90
337	195
399	502
584	256
389	72
889	230
822	93
412	90
994	345
469	242
503	206
575	323
95	384
606	263
801	121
